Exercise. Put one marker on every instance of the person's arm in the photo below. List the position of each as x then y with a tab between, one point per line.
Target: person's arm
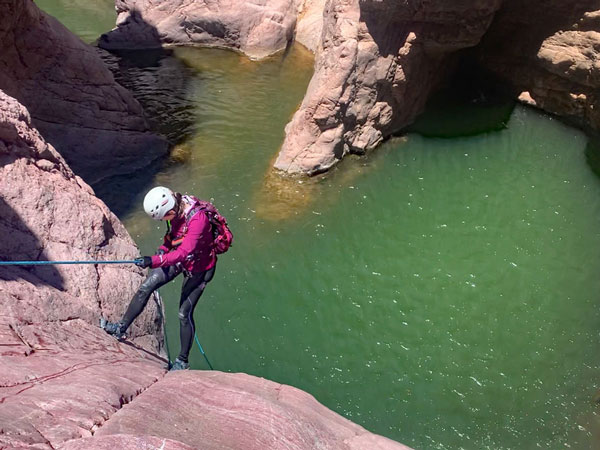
195	238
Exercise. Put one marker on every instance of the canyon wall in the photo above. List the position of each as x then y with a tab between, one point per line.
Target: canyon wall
94	123
548	53
378	63
60	373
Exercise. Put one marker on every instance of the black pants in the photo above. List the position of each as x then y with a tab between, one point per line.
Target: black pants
191	290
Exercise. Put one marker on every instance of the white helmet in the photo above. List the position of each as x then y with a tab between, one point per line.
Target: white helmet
158	202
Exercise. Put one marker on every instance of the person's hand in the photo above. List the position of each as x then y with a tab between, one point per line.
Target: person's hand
143	262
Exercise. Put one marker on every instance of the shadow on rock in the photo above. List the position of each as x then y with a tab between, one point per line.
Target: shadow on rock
133	32
20	243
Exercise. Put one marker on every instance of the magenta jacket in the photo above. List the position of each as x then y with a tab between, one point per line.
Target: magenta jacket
195	253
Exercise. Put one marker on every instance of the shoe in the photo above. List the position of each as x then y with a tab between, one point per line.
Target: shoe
180	365
112	328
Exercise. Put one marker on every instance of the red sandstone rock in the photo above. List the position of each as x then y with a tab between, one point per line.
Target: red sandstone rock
257	29
96	124
215	410
60	374
378	63
124	442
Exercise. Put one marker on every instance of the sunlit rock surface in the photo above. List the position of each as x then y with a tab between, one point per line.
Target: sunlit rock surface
549	52
94	123
309	25
378	63
216	410
257	29
60	374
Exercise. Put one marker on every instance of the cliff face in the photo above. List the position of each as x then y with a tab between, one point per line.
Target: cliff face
373	73
549	53
377	61
60	374
96	125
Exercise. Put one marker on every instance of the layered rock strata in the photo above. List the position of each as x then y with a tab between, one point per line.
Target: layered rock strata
60	374
207	406
549	53
378	63
256	28
96	125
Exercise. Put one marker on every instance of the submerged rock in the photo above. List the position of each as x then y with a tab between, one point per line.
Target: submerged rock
257	29
96	124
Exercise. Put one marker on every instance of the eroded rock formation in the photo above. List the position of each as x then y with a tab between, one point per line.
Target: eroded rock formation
310	23
96	125
378	63
549	53
257	29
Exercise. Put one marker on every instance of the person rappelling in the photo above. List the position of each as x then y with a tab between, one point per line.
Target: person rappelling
196	233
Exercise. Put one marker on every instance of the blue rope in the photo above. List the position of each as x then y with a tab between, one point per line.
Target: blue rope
167	343
202	351
39	263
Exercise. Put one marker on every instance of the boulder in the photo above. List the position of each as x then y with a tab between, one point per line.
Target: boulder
256	28
377	63
548	53
73	99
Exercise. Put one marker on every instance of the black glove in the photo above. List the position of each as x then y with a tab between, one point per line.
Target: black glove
143	262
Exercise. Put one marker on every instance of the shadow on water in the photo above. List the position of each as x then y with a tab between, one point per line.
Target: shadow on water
159	81
19	242
468	103
592	153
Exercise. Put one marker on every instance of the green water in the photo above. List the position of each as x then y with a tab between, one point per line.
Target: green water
441	292
86	18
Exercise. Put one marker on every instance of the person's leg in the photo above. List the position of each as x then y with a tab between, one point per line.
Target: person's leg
155	279
191	291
